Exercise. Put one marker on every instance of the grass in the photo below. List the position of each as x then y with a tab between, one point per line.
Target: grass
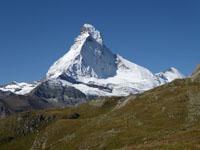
166	117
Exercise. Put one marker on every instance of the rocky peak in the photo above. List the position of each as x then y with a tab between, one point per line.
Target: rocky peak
169	75
172	69
91	31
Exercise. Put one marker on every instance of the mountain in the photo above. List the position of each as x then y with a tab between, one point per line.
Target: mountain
57	94
169	75
166	117
11	103
92	68
42	96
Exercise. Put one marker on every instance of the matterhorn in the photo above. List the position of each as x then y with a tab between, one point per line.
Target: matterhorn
91	69
94	69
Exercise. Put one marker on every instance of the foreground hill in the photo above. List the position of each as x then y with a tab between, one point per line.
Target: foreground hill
166	117
196	73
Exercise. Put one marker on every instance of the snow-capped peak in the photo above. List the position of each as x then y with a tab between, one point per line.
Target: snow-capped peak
95	34
92	68
174	70
89	61
169	75
19	88
87	57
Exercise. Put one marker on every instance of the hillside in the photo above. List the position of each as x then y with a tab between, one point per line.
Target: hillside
11	103
196	73
166	117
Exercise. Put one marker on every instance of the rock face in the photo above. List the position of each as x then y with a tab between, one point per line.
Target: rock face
11	103
196	74
58	94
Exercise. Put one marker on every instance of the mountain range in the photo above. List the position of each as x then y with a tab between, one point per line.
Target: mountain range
92	69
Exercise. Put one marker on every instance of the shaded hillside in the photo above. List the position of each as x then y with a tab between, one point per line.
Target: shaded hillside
58	95
11	103
166	117
45	95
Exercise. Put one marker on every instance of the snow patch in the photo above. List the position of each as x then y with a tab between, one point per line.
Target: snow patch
19	88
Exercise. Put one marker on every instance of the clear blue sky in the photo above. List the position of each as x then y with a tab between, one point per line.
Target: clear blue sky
156	34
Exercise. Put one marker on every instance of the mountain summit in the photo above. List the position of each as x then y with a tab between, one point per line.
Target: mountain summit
88	57
169	75
93	69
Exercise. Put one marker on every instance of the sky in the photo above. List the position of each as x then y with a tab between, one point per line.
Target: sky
156	34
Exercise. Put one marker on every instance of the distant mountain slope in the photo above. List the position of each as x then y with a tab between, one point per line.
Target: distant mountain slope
57	94
11	103
19	88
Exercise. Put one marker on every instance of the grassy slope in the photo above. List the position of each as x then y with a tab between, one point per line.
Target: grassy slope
166	117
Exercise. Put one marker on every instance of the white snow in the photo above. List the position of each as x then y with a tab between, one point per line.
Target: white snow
89	29
64	62
87	57
169	75
19	88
